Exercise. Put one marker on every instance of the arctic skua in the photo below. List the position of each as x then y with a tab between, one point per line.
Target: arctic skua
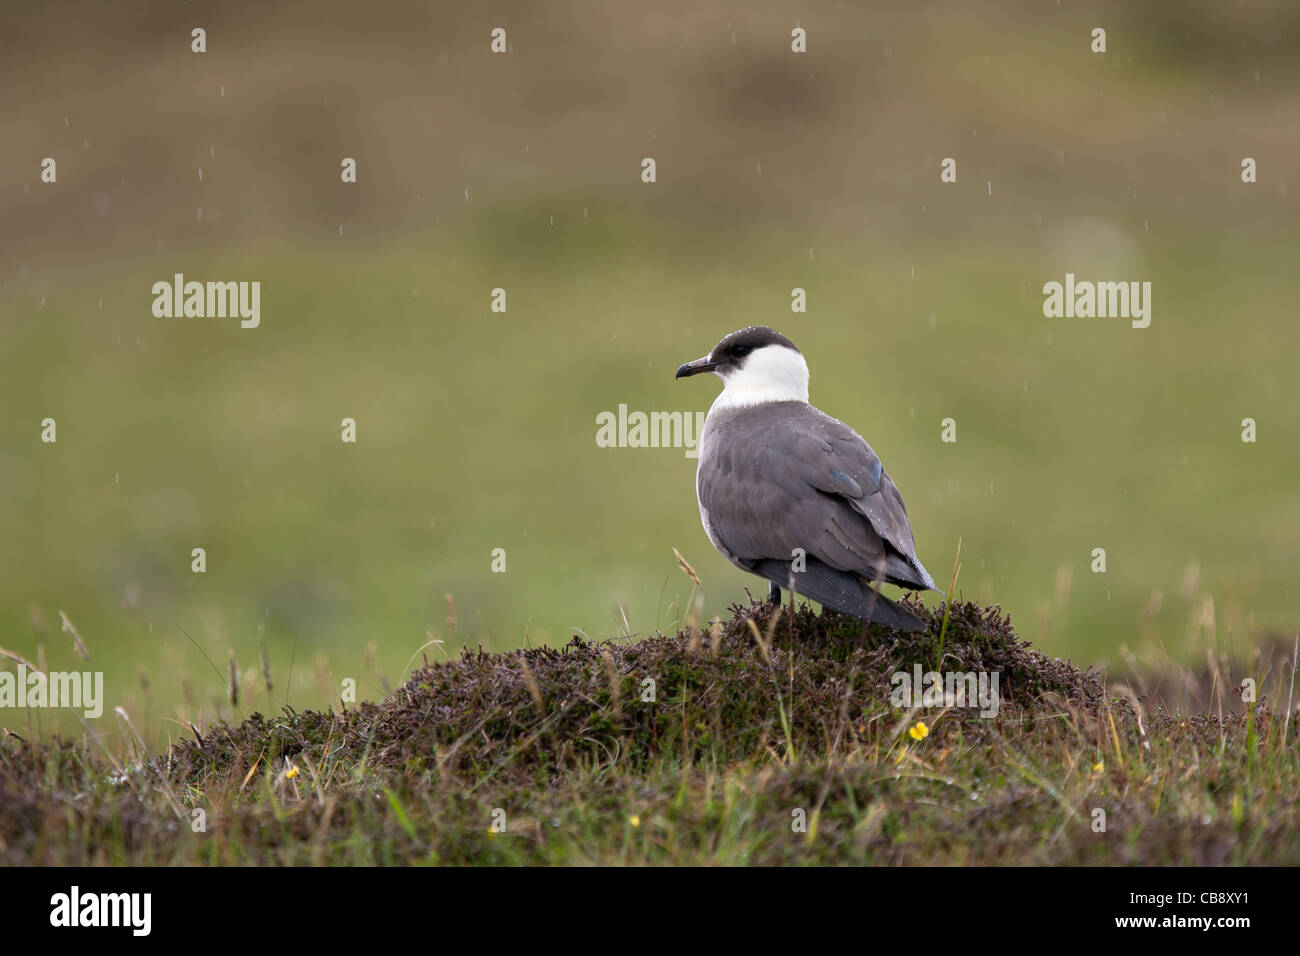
794	496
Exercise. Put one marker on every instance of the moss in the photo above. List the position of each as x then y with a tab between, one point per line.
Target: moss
468	715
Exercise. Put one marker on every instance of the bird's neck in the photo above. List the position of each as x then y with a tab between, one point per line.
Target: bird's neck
770	375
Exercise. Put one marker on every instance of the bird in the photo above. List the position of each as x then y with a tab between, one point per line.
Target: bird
793	495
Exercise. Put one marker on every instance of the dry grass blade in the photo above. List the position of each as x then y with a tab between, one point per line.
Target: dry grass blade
266	656
1290	697
431	642
1123	690
19	659
764	644
76	638
451	614
531	682
615	695
251	770
685	566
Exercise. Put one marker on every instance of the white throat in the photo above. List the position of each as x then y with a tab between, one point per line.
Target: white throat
770	374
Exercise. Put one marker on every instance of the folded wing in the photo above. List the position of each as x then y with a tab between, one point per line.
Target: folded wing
814	485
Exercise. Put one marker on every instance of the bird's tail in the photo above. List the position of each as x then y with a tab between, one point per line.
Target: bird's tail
840	591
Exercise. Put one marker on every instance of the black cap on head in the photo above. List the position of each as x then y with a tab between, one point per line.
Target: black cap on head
741	343
731	352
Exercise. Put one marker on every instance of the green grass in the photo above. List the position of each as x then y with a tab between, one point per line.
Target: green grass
776	750
478	431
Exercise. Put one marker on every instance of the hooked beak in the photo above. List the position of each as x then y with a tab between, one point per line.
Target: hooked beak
696	367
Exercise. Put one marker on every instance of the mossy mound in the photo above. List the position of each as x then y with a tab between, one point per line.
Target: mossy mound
561	755
727	695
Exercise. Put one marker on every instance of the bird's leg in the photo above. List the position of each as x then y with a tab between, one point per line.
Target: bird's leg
774	594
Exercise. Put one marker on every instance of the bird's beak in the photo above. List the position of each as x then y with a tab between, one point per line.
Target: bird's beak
696	367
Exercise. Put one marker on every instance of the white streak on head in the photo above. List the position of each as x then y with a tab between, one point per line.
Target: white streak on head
773	373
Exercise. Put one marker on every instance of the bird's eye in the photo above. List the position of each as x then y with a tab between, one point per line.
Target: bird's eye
740	350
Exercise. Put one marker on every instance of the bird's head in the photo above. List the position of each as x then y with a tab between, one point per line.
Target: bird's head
756	365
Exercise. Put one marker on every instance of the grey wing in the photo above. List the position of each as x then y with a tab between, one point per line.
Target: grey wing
816	485
880	501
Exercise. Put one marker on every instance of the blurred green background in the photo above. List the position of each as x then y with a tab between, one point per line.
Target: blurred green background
476	430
